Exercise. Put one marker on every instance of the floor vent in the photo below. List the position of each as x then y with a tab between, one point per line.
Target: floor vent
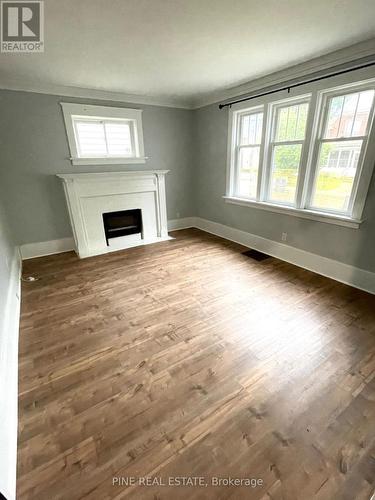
254	254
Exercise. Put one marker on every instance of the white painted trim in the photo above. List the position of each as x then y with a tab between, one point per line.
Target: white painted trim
350	275
108	161
366	160
184	223
52	247
89	195
296	212
9	381
115	175
100	111
133	117
317	116
337	58
42	248
320	63
22	85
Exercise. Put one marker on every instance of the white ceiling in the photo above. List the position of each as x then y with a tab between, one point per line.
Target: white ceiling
183	50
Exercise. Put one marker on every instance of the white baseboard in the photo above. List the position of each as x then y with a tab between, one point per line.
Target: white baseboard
31	250
184	223
350	275
43	248
9	381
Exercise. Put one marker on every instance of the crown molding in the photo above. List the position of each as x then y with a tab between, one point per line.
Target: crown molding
90	93
337	58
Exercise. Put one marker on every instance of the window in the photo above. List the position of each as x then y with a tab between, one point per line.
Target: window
103	135
344	132
305	155
289	129
250	131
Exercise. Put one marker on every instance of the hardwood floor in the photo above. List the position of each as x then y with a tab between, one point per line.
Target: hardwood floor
187	358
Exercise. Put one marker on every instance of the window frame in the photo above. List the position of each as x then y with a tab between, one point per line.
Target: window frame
318	109
86	112
357	198
104	122
270	144
250	111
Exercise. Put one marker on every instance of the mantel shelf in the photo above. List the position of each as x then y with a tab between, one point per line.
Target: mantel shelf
100	175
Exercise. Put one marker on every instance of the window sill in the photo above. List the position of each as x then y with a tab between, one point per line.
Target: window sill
107	161
339	220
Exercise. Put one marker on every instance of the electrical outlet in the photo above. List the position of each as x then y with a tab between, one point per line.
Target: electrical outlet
284	236
178	215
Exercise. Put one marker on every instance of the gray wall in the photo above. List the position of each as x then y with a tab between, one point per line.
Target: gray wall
192	144
34	147
351	246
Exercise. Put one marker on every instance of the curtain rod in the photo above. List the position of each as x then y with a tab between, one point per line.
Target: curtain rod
292	86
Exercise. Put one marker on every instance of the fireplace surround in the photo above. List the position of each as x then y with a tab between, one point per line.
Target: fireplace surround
92	196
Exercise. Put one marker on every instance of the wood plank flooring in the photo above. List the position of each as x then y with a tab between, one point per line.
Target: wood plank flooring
187	358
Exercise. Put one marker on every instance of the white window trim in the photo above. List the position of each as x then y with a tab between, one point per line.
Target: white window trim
71	110
254	110
366	159
269	144
315	120
303	213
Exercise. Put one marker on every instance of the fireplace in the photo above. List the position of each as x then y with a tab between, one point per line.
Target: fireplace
122	223
90	195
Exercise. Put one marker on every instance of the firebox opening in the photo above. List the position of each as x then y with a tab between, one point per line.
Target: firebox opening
122	223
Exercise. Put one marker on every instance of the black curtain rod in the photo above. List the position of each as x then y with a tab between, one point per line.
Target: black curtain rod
292	86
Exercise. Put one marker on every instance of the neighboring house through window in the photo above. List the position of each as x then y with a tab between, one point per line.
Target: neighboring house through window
305	155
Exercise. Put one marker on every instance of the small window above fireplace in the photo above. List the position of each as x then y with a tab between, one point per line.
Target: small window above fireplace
101	135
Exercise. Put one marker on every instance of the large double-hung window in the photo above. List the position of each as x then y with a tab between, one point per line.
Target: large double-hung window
306	155
288	134
250	137
340	150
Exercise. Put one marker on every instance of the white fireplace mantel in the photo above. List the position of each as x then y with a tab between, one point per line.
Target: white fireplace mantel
89	195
